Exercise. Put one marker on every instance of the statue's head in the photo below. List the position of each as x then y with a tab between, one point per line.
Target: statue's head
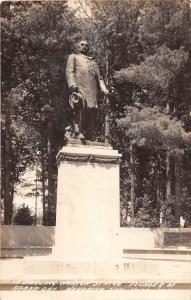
83	47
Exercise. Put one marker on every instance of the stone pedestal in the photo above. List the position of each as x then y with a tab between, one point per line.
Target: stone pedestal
88	204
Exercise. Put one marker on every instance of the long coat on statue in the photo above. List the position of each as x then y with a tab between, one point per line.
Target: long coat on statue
82	71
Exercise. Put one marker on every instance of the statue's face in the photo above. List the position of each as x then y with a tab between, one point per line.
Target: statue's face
83	47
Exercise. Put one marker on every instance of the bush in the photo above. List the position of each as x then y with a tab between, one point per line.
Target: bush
23	216
168	212
146	214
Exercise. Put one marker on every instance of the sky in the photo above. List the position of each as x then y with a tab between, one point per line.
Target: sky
76	5
28	185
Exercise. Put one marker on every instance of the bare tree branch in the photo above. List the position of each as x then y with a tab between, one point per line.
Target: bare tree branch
94	23
115	61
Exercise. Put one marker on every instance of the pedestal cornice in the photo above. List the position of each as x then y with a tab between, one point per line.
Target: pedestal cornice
90	154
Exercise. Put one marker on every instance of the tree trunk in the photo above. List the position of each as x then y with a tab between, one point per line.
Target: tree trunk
168	175
8	195
177	188
132	179
43	176
43	180
50	171
107	105
12	199
158	188
36	197
107	120
8	199
158	204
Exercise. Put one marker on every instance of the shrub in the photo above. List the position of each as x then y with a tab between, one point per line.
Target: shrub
23	216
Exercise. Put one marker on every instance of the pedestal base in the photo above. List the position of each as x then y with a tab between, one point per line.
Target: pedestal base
88	215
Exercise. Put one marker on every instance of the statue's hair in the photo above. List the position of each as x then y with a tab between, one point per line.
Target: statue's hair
81	39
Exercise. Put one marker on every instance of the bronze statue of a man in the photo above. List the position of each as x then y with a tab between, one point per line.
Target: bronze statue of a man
85	83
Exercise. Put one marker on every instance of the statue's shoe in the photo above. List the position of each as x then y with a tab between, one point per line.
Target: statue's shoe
79	136
68	128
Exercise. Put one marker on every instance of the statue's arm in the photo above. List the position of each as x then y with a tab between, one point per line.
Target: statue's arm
102	85
70	72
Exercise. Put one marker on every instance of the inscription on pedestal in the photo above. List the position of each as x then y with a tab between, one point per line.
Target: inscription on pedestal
177	238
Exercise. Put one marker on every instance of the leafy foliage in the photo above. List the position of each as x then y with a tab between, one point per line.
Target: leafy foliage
150	127
23	216
158	71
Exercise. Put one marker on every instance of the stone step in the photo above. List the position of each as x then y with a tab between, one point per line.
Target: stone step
173	251
20	252
132	268
157	255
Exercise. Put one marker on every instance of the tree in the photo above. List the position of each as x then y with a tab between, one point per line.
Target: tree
15	156
41	36
150	128
157	76
45	48
5	15
161	78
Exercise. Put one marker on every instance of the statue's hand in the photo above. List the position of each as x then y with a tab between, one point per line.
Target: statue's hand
105	92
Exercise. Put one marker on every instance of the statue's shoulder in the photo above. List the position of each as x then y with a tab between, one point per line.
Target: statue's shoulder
72	55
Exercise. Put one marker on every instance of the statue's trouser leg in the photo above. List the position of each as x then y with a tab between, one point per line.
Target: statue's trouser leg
90	123
79	120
